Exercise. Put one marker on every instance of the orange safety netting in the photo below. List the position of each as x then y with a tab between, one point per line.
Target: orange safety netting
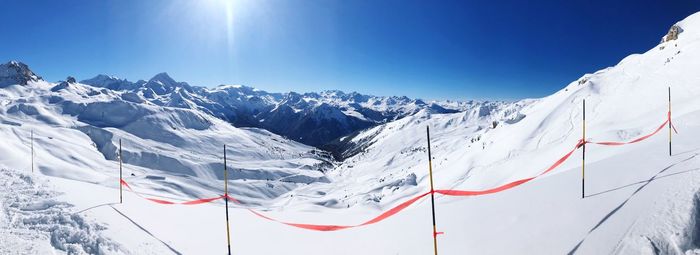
396	209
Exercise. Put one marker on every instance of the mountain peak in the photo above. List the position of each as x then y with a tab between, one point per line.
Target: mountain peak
163	77
15	72
106	77
162	84
107	81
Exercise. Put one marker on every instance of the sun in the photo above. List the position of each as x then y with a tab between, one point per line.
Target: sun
217	16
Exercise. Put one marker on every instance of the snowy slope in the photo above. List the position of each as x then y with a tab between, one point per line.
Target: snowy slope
77	129
34	221
639	199
623	102
633	206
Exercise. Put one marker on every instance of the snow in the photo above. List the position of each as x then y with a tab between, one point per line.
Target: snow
74	132
548	211
16	73
247	106
33	218
639	200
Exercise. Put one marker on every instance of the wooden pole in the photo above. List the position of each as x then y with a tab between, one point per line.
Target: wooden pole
669	122
432	194
121	198
583	155
31	141
228	231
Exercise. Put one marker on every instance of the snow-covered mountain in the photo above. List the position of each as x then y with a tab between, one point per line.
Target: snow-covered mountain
310	118
486	145
79	127
639	200
178	129
16	73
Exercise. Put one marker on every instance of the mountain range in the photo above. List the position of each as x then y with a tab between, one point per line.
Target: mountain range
62	145
291	139
314	119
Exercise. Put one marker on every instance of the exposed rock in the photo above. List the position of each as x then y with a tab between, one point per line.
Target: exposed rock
60	86
672	34
16	73
582	81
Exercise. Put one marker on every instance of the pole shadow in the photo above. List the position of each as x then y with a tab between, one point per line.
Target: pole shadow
616	209
146	231
640	182
685	152
93	207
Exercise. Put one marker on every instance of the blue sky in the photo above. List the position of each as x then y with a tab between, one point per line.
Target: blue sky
472	49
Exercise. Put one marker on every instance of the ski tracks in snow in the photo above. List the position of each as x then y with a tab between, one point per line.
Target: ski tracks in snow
32	221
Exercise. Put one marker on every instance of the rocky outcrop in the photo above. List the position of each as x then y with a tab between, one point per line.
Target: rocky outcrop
64	84
15	72
672	34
